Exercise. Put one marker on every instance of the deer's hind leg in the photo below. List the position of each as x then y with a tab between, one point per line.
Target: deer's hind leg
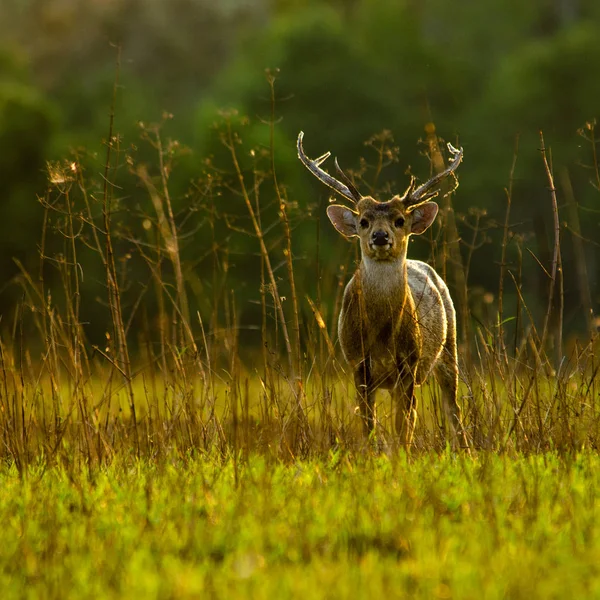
446	374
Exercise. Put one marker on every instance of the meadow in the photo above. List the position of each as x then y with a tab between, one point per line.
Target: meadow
342	526
177	420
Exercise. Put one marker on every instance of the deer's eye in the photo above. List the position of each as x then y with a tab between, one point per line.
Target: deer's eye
364	223
399	222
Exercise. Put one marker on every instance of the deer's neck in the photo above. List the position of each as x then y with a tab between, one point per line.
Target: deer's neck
383	281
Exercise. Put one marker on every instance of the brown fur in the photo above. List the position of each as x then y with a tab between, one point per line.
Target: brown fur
397	323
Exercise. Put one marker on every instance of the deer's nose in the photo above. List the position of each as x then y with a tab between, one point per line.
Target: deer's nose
380	238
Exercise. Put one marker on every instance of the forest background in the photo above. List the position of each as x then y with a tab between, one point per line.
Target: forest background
488	75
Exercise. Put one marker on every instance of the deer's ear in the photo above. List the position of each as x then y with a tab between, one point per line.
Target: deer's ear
423	216
343	219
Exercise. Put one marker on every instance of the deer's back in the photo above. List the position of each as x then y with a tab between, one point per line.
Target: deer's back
434	313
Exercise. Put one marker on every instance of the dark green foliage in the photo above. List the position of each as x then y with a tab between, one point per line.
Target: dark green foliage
27	123
482	72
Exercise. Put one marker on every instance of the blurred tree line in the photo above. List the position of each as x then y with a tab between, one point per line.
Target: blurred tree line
486	72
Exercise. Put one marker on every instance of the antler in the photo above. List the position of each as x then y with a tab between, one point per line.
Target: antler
346	189
422	194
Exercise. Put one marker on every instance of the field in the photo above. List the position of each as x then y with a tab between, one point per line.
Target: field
177	420
433	526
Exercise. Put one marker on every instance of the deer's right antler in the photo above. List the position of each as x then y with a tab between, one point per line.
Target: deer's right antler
346	188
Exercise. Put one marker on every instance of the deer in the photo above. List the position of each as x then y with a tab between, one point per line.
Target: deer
397	322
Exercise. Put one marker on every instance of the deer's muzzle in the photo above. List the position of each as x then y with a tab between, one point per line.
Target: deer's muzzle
380	238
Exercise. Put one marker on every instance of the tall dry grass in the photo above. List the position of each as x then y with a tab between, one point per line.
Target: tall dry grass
171	375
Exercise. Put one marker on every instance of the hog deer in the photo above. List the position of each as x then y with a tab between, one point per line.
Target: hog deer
397	322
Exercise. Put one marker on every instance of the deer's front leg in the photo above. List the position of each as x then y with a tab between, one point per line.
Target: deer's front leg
366	394
405	402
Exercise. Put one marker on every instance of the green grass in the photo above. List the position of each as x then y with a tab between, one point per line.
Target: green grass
151	449
429	526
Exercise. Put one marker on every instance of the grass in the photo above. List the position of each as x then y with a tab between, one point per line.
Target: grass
168	457
438	526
